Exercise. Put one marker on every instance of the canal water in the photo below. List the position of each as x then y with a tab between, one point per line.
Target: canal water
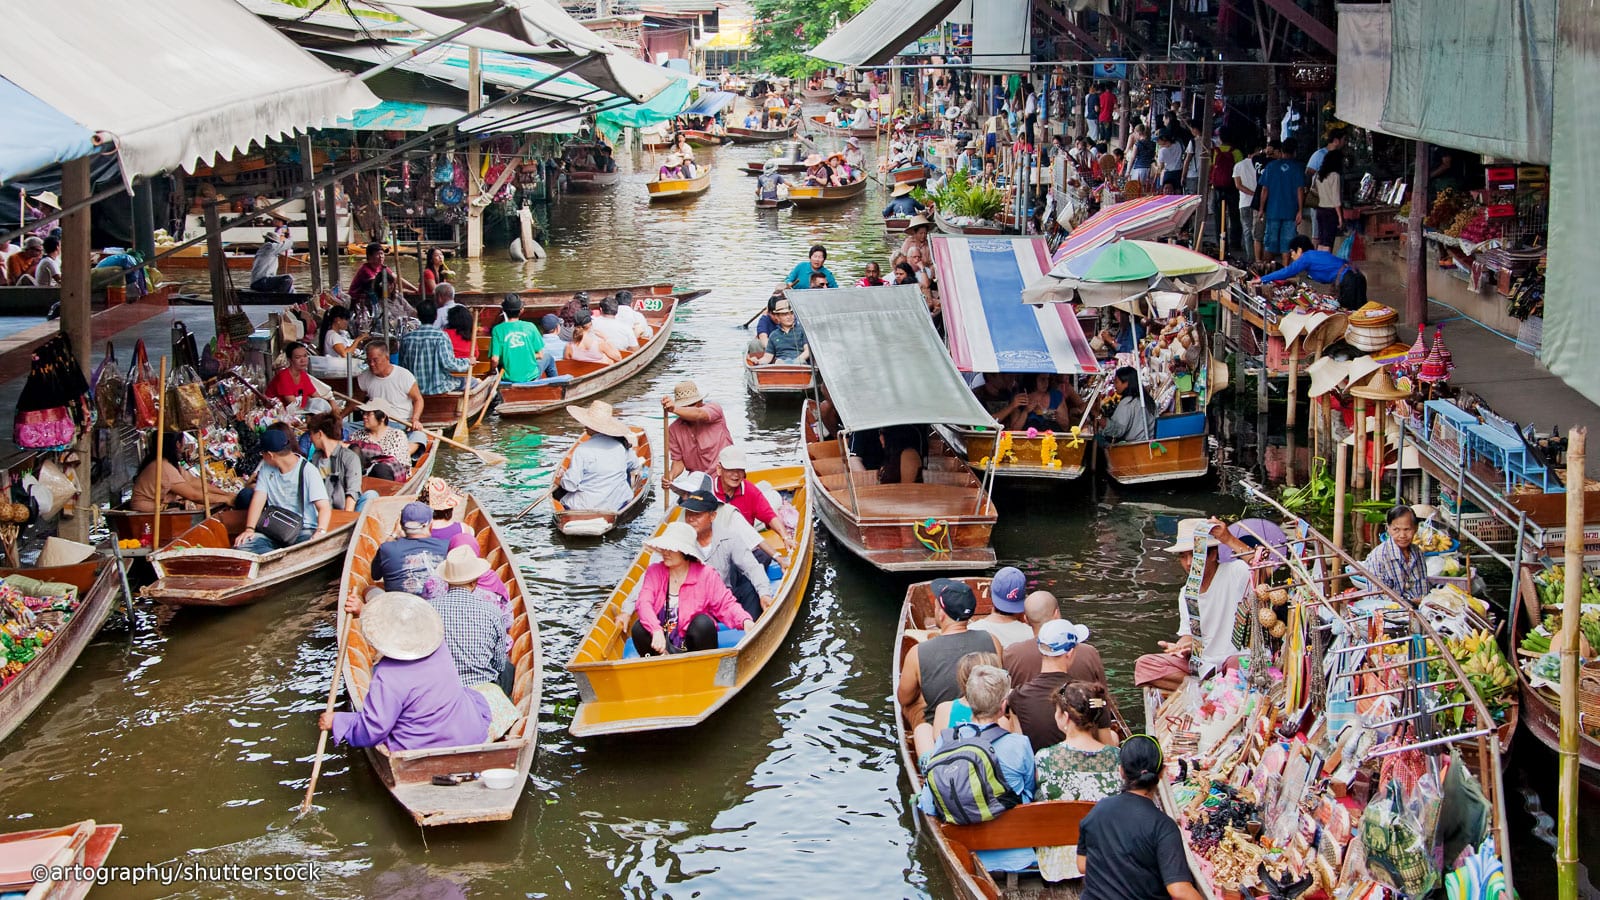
196	731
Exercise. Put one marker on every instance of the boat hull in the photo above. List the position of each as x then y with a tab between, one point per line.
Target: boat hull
1539	713
756	168
592	182
761	136
807	197
596	522
864	134
948	227
679	690
440	411
98	590
779	380
589	379
678	188
703	139
90	844
1167	459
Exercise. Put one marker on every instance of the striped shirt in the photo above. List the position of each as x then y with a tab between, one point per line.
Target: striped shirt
1405	573
474	633
426	353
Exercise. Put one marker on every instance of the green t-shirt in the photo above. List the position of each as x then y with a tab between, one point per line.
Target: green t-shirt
516	344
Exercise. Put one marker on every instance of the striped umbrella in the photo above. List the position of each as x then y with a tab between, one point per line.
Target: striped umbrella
1147	217
1125	271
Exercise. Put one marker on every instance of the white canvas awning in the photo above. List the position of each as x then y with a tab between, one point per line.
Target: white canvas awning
881	359
879	32
171	82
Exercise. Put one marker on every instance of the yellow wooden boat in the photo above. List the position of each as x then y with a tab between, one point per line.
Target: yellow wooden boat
618	695
679	188
1051	455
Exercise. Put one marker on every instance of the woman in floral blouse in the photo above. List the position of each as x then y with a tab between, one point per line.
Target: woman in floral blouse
1078	768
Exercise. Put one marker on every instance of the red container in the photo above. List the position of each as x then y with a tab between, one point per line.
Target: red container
1500	210
1500	174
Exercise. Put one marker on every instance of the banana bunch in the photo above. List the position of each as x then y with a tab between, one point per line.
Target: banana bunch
1484	665
1430	540
1473	643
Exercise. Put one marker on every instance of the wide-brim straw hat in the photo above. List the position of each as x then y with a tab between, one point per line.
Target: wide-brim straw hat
401	626
600	417
674	160
687	392
441	495
1218	375
902	190
1368	338
1184	542
859	103
62	552
1326	374
678	536
462	566
1379	387
1359	369
48	198
812	160
918	221
1313	331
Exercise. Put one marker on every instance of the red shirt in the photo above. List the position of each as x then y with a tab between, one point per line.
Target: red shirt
697	446
1108	102
285	386
750	503
462	347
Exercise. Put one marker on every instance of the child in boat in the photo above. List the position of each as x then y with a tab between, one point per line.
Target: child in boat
414	699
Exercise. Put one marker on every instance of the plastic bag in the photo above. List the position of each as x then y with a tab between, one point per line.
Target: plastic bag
186	398
1397	829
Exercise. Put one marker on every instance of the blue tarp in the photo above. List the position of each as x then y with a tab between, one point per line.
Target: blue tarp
36	135
710	104
663	107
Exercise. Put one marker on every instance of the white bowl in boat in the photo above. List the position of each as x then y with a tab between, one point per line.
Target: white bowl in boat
498	779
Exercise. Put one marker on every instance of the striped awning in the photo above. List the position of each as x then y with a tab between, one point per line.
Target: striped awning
1147	218
986	327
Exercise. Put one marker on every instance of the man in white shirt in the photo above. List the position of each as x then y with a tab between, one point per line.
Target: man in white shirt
632	317
47	271
444	297
264	275
616	332
1207	609
1244	181
394	387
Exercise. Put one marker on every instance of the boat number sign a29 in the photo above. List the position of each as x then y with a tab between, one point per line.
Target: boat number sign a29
652	304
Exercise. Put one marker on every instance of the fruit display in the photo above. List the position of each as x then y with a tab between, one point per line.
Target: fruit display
1446	208
1473	226
1485	666
1551	584
1432	540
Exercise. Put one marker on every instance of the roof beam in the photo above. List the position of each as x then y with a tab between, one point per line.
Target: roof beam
1082	38
1130	39
1306	22
1201	28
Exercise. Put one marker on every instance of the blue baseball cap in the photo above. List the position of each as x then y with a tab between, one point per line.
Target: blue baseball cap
274	440
1007	589
416	513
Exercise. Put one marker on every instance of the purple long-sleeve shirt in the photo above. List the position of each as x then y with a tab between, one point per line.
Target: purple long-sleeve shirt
412	704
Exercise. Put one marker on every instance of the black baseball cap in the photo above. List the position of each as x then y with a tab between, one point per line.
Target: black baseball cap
957	599
700	501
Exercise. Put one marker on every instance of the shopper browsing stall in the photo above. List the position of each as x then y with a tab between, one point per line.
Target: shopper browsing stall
1322	266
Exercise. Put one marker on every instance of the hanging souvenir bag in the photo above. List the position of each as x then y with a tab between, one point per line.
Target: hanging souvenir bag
184	352
144	387
50	408
1397	840
186	400
110	390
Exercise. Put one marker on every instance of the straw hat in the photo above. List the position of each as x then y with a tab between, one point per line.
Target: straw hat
1373	314
48	198
600	417
674	160
62	552
812	160
1379	387
1218	375
677	536
462	566
441	495
859	103
1360	369
401	626
1184	543
1326	374
918	221
902	190
687	393
1314	330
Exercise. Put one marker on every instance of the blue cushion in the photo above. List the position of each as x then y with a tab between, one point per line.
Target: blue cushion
556	379
726	637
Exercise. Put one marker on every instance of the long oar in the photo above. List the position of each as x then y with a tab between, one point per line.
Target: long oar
333	697
484	414
546	494
666	461
488	457
462	434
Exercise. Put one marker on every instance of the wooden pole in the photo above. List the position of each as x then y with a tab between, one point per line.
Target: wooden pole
1358	473
1416	251
313	240
333	698
1567	823
205	483
75	320
1341	459
1380	415
666	461
462	433
217	264
330	215
1291	416
474	211
161	434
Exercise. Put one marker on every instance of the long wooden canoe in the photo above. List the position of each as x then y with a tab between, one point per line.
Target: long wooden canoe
762	135
888	524
196	259
818	93
916	173
820	123
595	522
587	181
759	166
408	774
587	379
441	411
553	299
779	380
201	567
98	586
678	188
702	138
827	195
85	844
617	694
895	226
1049	456
1021	826
949	227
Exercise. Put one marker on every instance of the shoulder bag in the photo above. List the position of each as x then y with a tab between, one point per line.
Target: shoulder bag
283	525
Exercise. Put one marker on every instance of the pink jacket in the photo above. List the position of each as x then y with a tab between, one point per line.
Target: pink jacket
702	592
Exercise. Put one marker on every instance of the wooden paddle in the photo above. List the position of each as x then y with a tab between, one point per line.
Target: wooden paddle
333	697
484	414
488	457
666	461
462	434
543	496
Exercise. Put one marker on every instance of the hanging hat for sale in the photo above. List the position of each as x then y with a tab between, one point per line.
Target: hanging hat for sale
1326	374
1374	313
1007	589
401	626
601	418
462	566
1418	354
1218	375
902	190
1358	370
62	552
918	221
441	495
1379	387
1368	337
678	536
1433	369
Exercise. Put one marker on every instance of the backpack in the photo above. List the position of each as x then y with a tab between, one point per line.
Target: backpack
1222	167
965	779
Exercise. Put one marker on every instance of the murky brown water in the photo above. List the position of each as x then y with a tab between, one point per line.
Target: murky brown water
197	731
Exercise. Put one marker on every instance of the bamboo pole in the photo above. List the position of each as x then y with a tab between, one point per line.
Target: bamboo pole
333	699
1291	417
1567	823
1341	458
1380	446
1358	474
205	483
161	433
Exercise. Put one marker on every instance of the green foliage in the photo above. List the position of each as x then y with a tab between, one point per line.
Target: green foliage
961	196
784	31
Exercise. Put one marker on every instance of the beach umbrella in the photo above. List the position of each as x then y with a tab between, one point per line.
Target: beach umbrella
1146	217
1126	270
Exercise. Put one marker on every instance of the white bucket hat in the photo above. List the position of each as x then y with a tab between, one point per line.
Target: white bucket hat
677	536
462	566
401	626
1186	529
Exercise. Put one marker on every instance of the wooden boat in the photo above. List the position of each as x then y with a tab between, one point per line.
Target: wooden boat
98	585
762	135
678	188
595	522
827	195
916	173
1020	826
949	227
555	298
201	567
819	94
772	204
194	258
444	410
1050	455
621	693
591	182
703	138
895	226
408	774
779	380
1179	451
784	166
885	524
86	844
1541	710
820	123
582	380
128	525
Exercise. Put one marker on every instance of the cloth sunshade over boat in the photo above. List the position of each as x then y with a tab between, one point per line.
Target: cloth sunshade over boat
36	135
882	360
1124	271
399	115
171	82
881	31
710	104
535	28
987	330
1145	218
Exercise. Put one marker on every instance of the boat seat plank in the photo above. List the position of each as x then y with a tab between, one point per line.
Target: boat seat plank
1047	823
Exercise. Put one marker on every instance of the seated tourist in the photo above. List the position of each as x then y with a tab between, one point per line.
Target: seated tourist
404	563
178	487
1133	418
681	600
603	465
752	121
671	168
340	466
1006	590
414	700
426	353
443	500
555	348
818	174
928	671
951	713
489	582
285	481
335	333
1081	767
723	552
1127	847
588	345
631	317
1024	660
1058	642
393	387
294	384
732	488
872	276
458	328
786	343
616	332
728	518
385	449
476	627
515	346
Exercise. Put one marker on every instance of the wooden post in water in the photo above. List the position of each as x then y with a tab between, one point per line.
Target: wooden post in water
161	433
330	214
1567	811
217	264
1358	473
1341	458
1291	416
308	169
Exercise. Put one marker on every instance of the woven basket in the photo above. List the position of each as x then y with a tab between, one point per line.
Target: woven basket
1369	338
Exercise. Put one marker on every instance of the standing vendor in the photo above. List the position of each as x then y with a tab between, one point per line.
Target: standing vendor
1324	267
1397	563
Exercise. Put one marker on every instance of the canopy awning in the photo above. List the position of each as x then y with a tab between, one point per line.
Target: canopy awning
710	104
882	360
400	115
988	330
448	63
171	82
881	31
1146	218
36	135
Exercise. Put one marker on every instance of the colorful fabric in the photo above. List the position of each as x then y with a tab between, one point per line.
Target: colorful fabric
1146	217
1067	774
701	592
986	329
